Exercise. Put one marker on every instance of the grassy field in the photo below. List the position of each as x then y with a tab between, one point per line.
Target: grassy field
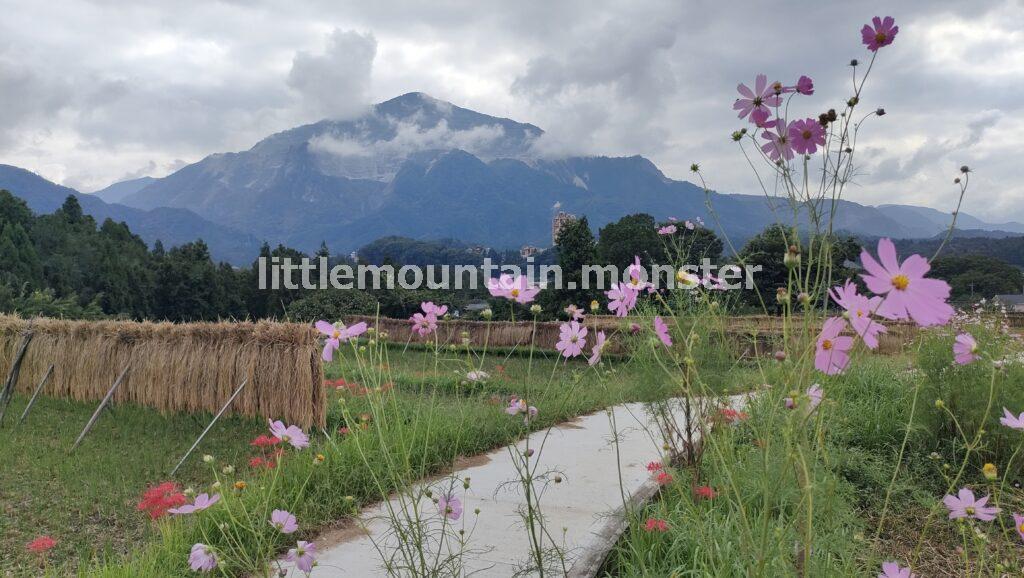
87	500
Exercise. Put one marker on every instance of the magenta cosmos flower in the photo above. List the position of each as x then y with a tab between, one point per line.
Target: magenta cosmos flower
894	570
908	294
1018	524
450	507
881	34
831	354
661	330
291	434
636	276
763	97
964	505
1011	421
667	230
423	324
595	353
518	406
516	289
761	119
201	502
283	521
805	85
572	339
303	555
859	309
778	146
202	558
621	299
806	136
337	335
965	349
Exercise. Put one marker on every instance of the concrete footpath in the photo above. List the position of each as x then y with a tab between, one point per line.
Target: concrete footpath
583	512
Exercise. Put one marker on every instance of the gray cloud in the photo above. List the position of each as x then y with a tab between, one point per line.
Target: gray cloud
336	84
92	91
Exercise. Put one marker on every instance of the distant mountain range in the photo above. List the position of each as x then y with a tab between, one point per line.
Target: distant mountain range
424	168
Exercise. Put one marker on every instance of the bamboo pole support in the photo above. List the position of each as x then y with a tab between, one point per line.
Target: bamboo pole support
103	404
12	375
35	394
209	427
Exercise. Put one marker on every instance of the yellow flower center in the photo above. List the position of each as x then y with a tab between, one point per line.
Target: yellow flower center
827	344
900	282
969	510
860	313
806	134
515	292
336	334
880	37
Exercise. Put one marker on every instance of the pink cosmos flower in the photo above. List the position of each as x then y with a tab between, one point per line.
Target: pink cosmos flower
815	394
965	349
636	275
450	507
516	289
778	146
289	434
575	313
661	330
201	502
859	309
882	34
429	308
1011	421
518	406
202	558
761	118
762	97
806	135
595	353
622	299
964	505
689	225
283	521
303	555
572	339
423	324
805	86
831	354
894	570
667	230
1018	524
337	335
907	292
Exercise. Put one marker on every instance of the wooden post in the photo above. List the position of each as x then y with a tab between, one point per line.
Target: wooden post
96	414
215	418
12	375
35	394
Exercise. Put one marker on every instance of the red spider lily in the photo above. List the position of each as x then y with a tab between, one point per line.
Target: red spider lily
160	498
41	544
654	466
664	478
265	441
256	462
656	525
705	492
732	416
343	430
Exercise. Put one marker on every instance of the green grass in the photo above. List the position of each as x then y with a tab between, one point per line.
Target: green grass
86	499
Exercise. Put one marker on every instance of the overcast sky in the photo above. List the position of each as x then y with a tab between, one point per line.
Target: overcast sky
96	92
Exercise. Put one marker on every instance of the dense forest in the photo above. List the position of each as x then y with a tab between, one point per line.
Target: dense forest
66	264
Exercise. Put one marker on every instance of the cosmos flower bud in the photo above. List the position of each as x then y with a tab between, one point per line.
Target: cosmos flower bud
737	136
940	404
228	470
594	306
990	471
535	309
965	169
956	181
853	101
803	298
695	168
487	313
854	62
880	112
781	295
780	356
208	459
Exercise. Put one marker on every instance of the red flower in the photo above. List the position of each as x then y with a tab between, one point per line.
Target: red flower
656	525
664	478
41	544
732	415
264	441
654	466
255	462
160	498
705	492
343	430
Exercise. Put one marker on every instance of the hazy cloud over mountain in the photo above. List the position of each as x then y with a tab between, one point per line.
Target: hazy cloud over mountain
94	90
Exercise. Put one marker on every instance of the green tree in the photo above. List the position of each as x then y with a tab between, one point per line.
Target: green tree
629	237
973	277
576	248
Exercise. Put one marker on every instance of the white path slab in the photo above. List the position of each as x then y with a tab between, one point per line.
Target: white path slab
583	511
